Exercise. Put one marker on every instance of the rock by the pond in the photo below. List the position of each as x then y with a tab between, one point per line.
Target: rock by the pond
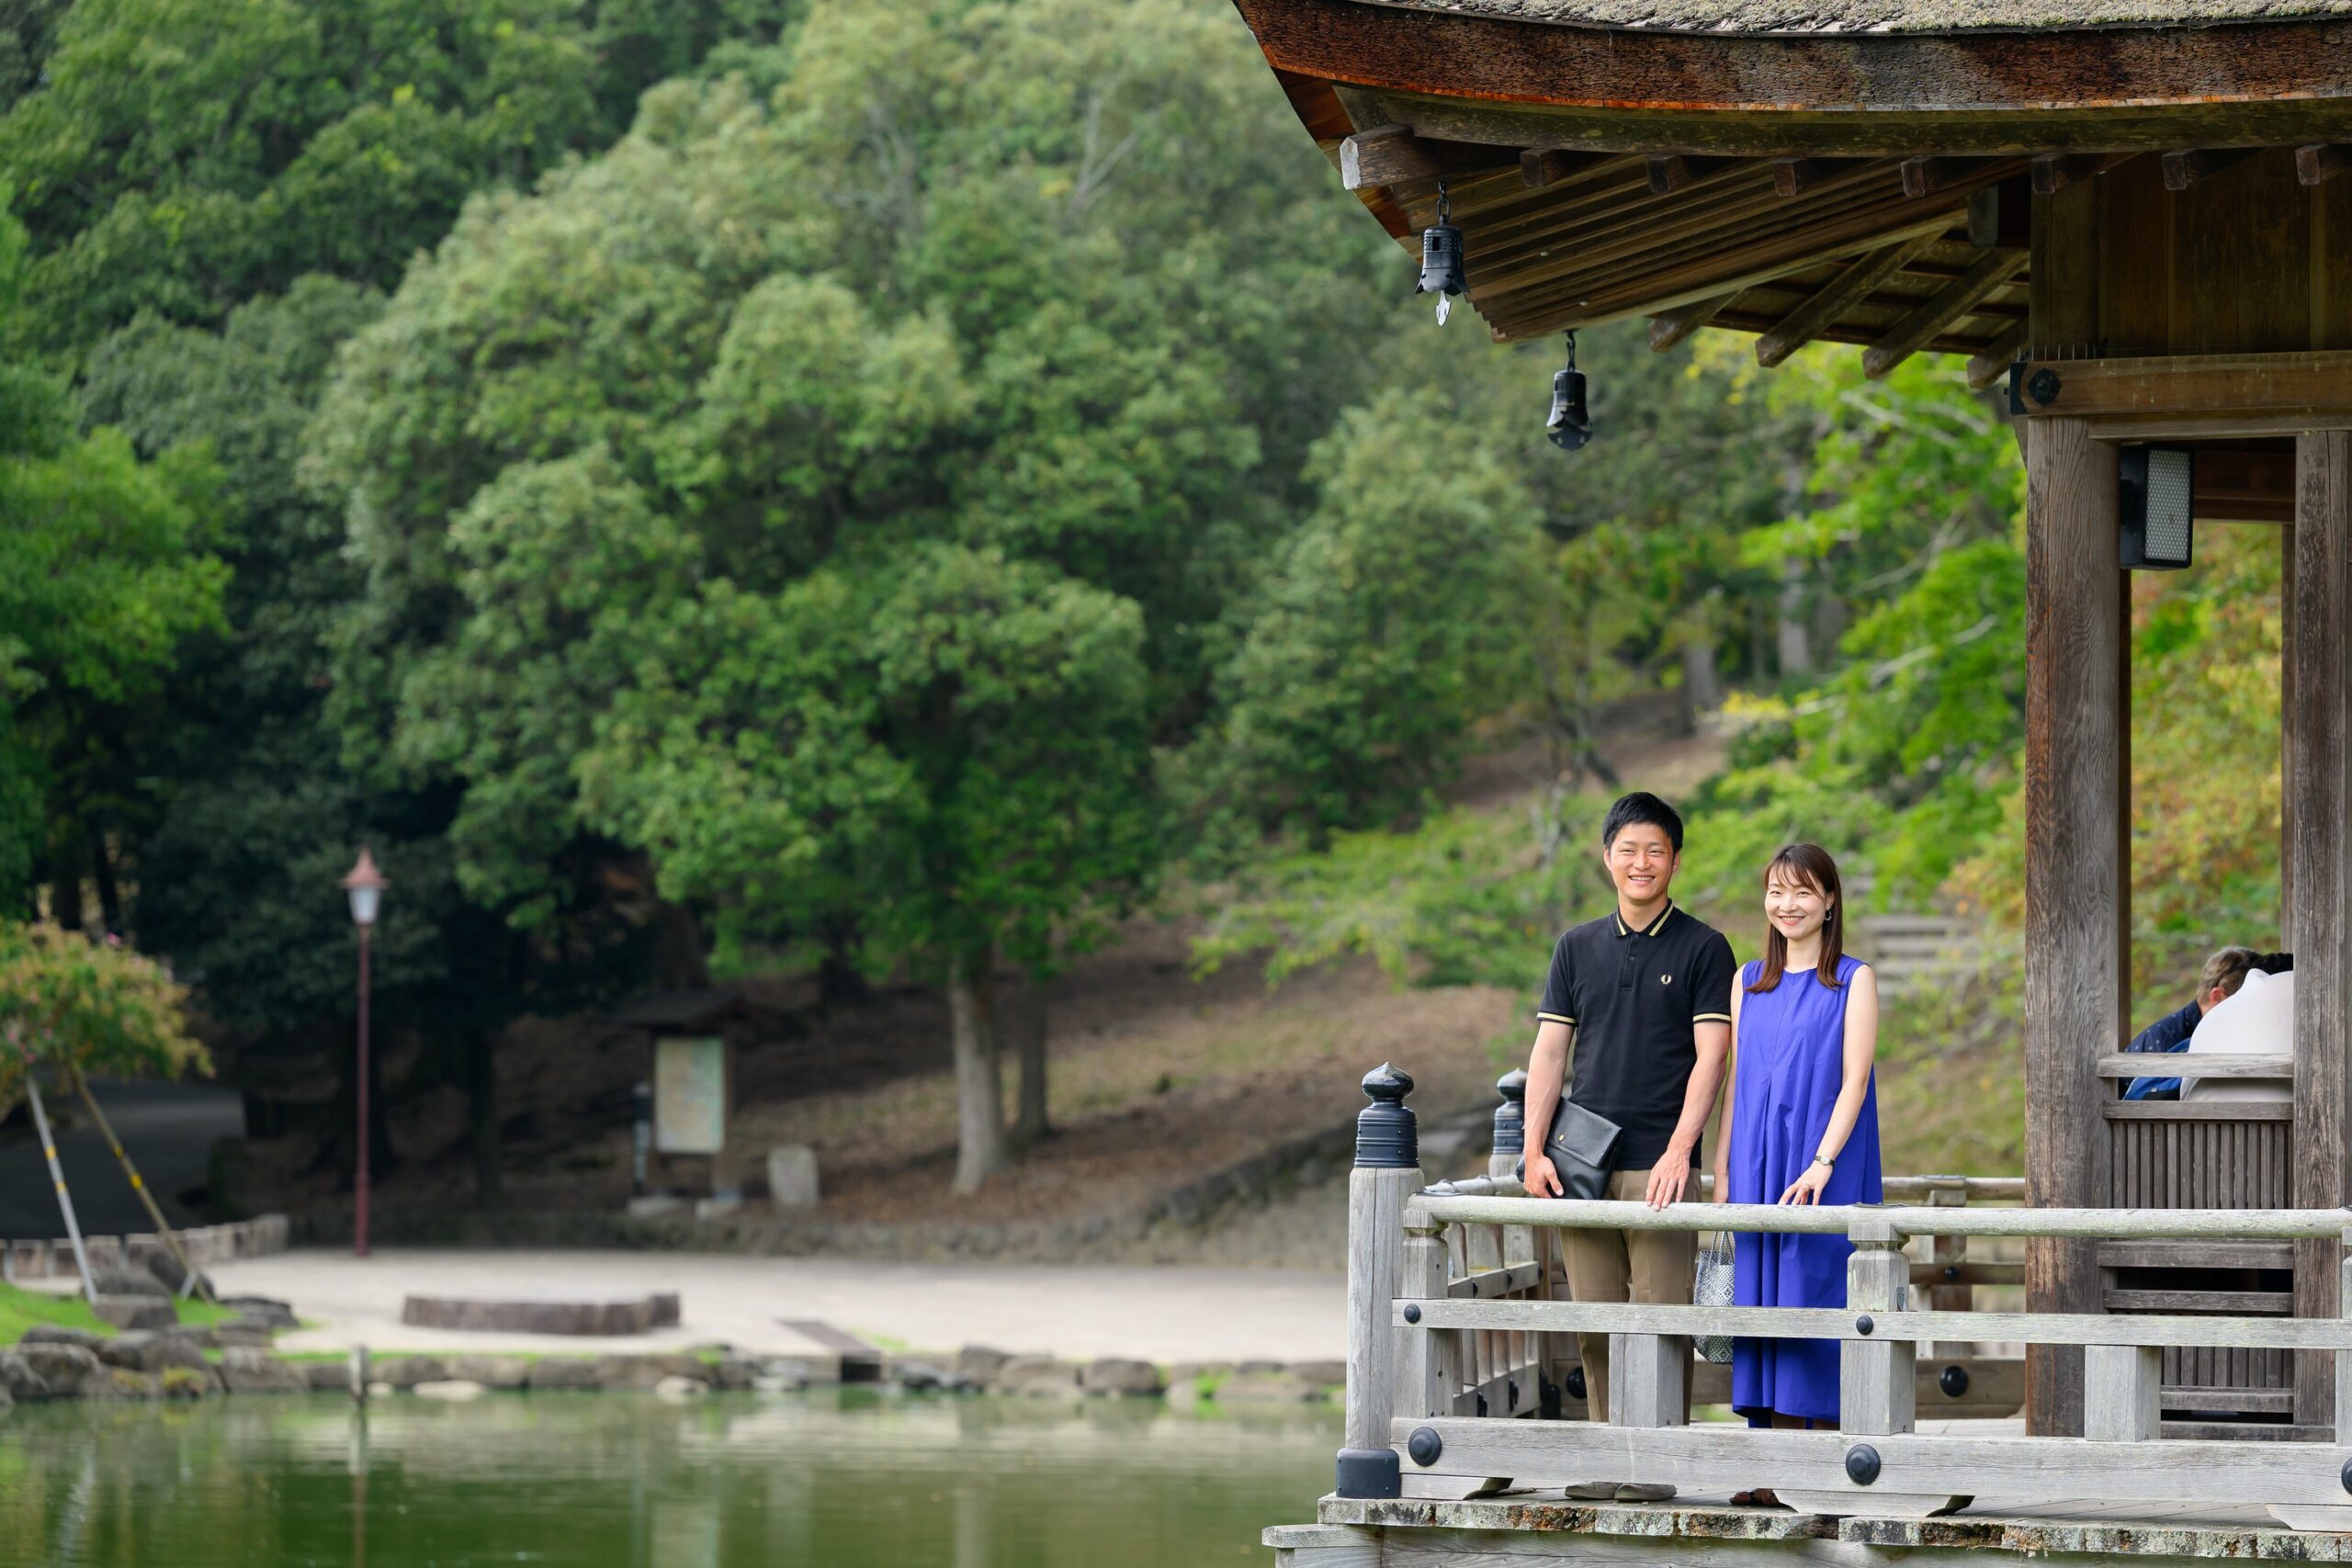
1266	1388
1322	1375
918	1376
982	1363
451	1389
733	1373
266	1311
1257	1368
245	1371
120	1382
167	1270
552	1372
380	1390
237	1332
58	1334
142	1351
404	1372
1039	1376
782	1377
61	1367
1182	1372
677	1388
17	1378
135	1312
188	1382
327	1377
1112	1376
641	1373
129	1282
492	1371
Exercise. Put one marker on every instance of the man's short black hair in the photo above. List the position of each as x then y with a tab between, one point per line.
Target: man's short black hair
1642	807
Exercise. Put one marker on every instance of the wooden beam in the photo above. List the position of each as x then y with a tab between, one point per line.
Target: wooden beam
1988	366
1982	91
2321	162
1671	327
2319	791
2055	171
1793	176
1834	299
1542	167
1947	305
2237	486
1925	176
1985	217
1672	172
1385	155
2293	386
2074	671
2184	166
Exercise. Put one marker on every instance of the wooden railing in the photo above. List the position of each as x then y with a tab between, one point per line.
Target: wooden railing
1451	1311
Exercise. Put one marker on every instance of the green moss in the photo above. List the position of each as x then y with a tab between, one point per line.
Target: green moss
21	1309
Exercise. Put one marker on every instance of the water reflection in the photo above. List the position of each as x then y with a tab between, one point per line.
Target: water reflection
850	1479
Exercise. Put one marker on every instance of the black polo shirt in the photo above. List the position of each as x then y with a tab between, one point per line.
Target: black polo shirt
1632	998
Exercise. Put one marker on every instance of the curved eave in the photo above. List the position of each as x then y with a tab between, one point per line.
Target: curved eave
1509	81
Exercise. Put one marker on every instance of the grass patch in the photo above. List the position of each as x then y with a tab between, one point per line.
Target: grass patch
21	1309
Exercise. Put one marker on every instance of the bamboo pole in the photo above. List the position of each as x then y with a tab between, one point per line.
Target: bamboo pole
57	1175
192	1279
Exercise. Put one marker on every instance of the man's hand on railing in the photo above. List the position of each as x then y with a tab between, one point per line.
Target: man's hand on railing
1669	1177
1540	1179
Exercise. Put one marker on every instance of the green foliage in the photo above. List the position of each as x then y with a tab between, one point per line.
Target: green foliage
857	592
182	157
68	1002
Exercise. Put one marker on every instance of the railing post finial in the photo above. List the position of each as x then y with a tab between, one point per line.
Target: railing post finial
1386	1138
1511	1116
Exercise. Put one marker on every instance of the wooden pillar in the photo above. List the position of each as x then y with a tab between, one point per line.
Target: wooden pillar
2287	738
2073	758
2319	802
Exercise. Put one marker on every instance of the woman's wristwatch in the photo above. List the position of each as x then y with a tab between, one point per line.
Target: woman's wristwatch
1823	1159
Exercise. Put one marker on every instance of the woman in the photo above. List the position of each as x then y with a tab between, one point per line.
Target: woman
1801	1128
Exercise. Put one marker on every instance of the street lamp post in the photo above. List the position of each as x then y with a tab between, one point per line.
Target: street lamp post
365	887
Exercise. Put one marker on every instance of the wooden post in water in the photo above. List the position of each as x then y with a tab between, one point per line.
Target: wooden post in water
2319	802
2074	896
1387	1172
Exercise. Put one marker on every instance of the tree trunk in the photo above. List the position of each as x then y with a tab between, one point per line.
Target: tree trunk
979	1091
1702	683
1030	1123
65	890
481	1095
1796	635
109	896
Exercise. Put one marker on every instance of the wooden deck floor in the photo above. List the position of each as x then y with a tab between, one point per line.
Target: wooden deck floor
1543	1528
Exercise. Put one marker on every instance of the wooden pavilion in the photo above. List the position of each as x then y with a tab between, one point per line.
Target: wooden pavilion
2138	217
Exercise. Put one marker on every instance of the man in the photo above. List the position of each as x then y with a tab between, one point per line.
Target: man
2224	972
1644	994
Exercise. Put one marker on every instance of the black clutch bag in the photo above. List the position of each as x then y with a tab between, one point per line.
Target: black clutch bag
1582	1147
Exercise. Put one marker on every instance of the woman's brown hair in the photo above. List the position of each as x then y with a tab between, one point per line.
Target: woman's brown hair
1810	864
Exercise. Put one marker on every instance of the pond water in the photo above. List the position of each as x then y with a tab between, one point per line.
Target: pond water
846	1477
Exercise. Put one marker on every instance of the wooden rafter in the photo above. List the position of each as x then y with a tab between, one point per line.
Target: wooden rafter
1801	325
1671	327
1947	305
2184	166
2321	162
1990	364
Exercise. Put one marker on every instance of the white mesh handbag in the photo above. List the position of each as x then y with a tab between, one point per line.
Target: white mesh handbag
1712	1287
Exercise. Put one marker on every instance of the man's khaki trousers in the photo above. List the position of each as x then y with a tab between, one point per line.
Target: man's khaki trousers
1654	1266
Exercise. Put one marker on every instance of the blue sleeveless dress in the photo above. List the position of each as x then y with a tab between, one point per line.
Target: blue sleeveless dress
1790	1062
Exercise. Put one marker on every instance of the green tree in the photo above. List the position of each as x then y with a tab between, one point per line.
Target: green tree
858	593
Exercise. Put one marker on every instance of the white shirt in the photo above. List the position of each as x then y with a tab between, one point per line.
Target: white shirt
2259	1021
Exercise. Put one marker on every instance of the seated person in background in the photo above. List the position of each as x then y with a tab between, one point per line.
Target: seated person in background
2223	973
2259	1021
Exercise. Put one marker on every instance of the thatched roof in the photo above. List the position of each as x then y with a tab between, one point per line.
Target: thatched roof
1914	17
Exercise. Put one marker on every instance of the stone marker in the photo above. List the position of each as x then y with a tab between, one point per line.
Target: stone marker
792	1177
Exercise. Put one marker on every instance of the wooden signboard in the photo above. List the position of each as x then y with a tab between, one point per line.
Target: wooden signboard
690	1096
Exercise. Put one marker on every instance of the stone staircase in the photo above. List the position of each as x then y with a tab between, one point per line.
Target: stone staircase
1909	947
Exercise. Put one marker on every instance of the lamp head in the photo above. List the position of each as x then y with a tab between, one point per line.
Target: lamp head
365	887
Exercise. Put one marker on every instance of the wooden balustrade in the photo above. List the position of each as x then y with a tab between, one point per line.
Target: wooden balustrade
1459	1324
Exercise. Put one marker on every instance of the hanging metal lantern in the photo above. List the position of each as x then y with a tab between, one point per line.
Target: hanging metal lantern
1570	426
1441	273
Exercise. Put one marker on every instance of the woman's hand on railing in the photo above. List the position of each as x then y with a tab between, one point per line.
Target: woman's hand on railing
1806	1188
